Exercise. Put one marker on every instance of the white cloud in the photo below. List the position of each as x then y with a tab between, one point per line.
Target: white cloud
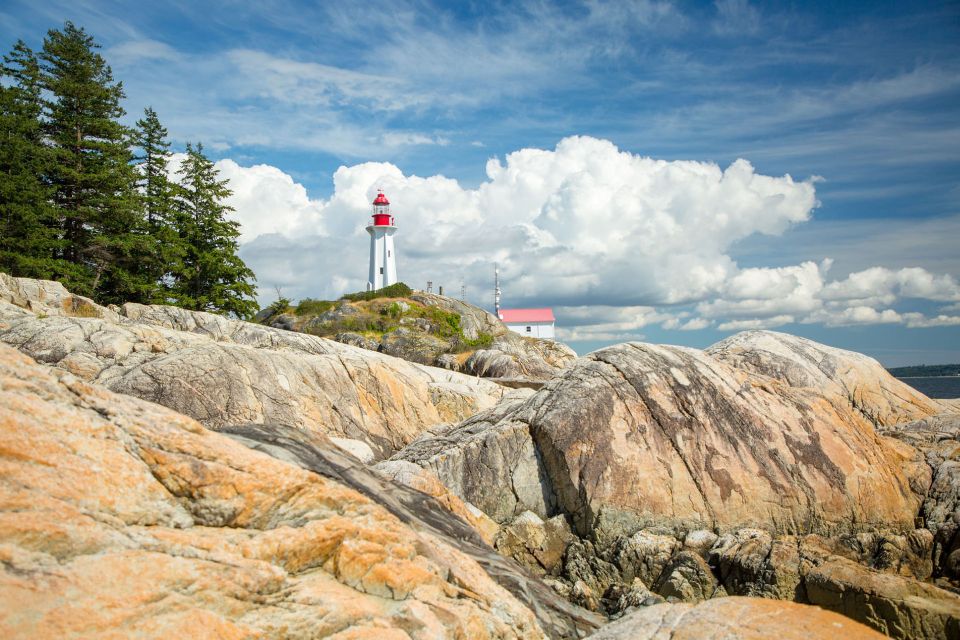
613	241
918	320
401	139
142	49
695	324
768	292
879	283
855	315
582	223
757	323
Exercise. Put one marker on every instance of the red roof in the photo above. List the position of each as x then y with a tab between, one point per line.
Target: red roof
526	315
381	199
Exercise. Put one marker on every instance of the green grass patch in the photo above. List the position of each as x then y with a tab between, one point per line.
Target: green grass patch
398	290
311	307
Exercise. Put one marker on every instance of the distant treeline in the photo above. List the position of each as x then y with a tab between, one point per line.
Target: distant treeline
87	201
926	371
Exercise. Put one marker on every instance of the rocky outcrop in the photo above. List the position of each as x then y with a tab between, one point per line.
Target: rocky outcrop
424	481
473	320
639	435
513	356
535	543
433	330
938	438
734	619
843	574
687	476
842	376
423	515
49	298
121	517
413	345
896	606
223	371
488	461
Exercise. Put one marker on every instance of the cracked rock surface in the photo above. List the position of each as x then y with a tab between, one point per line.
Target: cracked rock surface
765	466
637	435
121	517
221	371
734	619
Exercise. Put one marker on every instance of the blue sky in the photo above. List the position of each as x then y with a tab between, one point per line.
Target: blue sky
858	102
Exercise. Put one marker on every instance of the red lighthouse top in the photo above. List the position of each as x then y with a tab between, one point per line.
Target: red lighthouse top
381	211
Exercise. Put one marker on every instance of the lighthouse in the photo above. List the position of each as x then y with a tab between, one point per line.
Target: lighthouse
383	262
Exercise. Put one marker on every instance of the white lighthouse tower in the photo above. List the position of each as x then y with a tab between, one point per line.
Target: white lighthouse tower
383	261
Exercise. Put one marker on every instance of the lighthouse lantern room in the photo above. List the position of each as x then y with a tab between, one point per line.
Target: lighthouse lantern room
383	264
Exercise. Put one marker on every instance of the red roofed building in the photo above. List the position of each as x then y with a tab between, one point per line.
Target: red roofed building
536	323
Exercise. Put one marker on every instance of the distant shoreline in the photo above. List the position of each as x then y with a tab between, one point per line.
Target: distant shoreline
915	377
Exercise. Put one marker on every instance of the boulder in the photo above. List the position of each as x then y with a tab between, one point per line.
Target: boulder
749	562
643	555
474	321
938	440
536	544
812	569
119	517
687	577
423	480
734	619
514	356
593	579
700	541
843	376
413	346
639	435
495	468
896	606
49	298
223	371
621	598
357	340
424	515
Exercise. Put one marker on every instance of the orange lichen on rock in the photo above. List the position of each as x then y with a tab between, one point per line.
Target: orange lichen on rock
119	517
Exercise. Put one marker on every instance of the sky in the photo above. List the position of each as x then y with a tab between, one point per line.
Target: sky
670	172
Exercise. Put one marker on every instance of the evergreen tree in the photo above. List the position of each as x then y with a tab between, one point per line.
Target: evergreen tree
91	174
212	276
29	238
158	197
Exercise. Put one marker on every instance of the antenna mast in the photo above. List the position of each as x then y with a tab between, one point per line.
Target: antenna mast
496	289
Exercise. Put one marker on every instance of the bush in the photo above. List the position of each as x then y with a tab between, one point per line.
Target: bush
482	341
398	290
447	323
311	307
278	306
392	310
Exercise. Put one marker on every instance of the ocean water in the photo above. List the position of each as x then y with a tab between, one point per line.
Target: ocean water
940	387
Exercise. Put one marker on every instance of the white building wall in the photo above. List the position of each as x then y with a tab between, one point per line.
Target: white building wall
533	329
383	258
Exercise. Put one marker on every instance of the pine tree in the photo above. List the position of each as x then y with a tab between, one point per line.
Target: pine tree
212	277
29	236
158	197
91	174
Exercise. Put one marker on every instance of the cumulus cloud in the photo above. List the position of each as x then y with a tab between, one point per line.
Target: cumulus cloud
584	223
613	241
756	323
881	285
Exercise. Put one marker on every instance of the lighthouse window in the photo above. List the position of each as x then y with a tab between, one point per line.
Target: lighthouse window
388	254
381	269
528	329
